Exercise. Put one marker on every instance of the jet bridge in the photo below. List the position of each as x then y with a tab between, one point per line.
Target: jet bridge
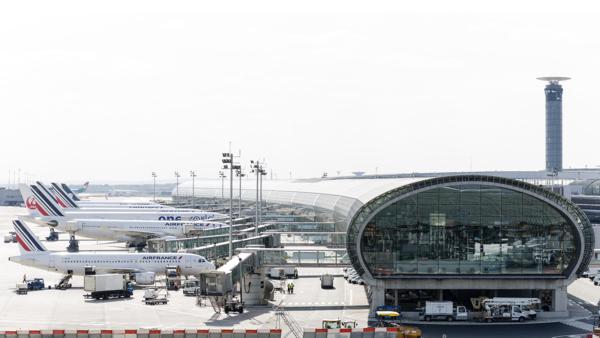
237	280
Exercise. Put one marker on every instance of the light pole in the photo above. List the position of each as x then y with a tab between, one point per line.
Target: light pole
240	174
177	186
228	164
193	174
262	173
222	176
154	187
259	171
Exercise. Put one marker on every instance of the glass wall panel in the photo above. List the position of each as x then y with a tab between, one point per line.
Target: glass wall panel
469	229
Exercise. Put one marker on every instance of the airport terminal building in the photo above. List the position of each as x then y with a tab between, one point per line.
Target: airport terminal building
454	238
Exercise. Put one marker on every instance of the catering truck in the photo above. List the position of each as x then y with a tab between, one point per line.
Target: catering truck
443	310
107	286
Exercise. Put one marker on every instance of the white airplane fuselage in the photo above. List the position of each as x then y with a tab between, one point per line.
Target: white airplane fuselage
109	262
149	215
133	230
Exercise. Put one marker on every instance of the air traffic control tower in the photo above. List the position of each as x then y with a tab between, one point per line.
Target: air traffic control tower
553	92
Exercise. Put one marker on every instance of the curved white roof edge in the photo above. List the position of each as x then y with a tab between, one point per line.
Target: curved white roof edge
362	190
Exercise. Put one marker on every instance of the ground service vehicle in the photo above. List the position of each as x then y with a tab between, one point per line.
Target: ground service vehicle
191	287
527	305
234	305
591	273
284	272
443	311
35	284
22	288
11	237
326	281
384	316
338	324
505	312
64	284
107	286
154	297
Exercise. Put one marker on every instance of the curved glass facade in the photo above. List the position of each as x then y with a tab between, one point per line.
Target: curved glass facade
469	229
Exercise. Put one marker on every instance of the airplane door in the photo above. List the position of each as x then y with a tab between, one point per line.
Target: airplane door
51	263
187	262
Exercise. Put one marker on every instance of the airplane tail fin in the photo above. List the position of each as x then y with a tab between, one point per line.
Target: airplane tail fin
84	187
63	198
36	203
40	199
70	192
28	242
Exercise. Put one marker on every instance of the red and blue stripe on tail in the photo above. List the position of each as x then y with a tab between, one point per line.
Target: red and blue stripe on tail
28	242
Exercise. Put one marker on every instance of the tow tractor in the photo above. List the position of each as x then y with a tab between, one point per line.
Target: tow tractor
234	305
36	284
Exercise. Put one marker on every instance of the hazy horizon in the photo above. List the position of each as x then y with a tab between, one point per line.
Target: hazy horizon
112	91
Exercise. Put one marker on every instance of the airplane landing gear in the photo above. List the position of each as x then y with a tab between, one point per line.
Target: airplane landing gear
73	244
53	235
139	246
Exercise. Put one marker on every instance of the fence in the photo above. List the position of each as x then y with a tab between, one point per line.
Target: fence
144	333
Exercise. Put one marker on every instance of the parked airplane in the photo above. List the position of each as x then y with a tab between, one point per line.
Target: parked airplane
44	209
133	231
83	188
82	196
67	202
142	266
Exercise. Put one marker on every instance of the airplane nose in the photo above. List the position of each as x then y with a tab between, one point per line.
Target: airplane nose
15	259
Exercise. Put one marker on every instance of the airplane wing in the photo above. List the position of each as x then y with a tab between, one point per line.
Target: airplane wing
140	234
124	270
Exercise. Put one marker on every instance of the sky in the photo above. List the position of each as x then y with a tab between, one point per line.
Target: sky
112	91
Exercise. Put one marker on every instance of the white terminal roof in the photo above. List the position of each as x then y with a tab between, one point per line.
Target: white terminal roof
362	189
342	196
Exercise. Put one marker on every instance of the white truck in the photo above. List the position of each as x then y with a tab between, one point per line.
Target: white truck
527	305
284	272
504	312
107	286
443	310
326	281
191	287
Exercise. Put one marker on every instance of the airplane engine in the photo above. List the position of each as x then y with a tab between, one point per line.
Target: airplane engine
144	278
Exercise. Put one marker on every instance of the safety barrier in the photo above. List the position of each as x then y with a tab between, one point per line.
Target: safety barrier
144	333
367	332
